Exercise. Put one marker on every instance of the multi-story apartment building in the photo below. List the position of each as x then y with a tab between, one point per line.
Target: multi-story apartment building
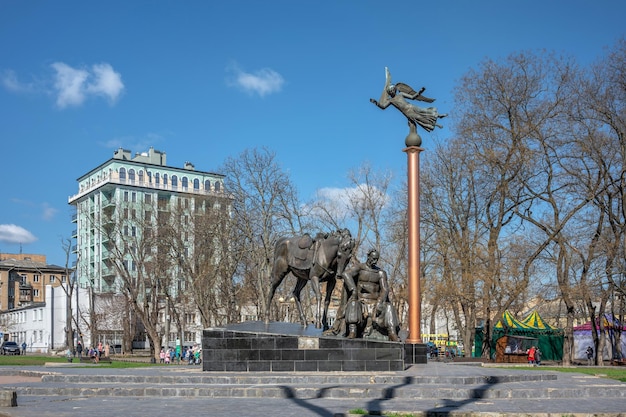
24	277
125	188
128	201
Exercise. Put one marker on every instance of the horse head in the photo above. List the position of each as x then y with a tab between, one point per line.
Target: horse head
344	250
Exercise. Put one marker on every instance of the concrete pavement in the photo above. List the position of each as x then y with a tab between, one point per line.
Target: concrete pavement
433	389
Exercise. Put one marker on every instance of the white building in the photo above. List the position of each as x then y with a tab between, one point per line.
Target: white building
122	188
42	325
135	196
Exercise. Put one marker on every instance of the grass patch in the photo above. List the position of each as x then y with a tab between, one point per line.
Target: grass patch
360	411
618	373
40	360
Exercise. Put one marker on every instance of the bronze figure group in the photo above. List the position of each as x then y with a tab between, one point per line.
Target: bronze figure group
365	310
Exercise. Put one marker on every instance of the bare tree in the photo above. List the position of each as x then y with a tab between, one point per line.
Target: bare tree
141	260
265	207
69	287
202	239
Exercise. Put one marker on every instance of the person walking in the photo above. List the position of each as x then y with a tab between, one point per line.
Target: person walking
538	356
531	355
589	353
79	350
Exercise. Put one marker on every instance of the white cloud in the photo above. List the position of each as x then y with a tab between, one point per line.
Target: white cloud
12	233
73	86
11	83
262	82
48	211
339	201
69	85
107	82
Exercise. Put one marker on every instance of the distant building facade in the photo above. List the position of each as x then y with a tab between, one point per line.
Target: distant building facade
42	325
126	187
136	195
24	277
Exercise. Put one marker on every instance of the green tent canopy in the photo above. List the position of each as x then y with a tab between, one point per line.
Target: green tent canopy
509	322
550	338
535	321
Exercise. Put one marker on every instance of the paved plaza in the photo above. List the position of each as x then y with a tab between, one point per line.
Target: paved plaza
433	389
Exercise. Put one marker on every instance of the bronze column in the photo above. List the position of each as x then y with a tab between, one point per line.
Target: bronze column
413	214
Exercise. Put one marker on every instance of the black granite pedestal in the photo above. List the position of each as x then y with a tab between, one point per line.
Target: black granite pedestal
415	353
289	347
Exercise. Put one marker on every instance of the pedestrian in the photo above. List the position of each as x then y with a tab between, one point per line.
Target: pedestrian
93	354
79	350
23	348
589	353
162	356
538	356
531	355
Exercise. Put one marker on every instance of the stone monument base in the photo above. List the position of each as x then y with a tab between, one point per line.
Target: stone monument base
290	347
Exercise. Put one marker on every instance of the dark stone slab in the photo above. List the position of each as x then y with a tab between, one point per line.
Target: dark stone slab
289	347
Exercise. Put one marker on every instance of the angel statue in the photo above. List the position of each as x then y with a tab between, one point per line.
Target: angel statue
395	95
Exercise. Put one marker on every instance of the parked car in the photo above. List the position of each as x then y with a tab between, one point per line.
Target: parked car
10	348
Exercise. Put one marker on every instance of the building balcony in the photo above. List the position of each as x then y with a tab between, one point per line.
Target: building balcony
113	180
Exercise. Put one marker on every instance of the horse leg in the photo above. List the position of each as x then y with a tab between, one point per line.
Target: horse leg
315	283
330	287
277	279
296	295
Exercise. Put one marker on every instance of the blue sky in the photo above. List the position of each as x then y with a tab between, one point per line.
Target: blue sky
204	80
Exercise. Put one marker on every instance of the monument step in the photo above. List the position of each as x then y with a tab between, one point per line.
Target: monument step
305	391
308	378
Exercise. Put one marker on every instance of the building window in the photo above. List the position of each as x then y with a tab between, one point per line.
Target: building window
131	175
148	198
126	196
122	173
134	197
149	175
35	292
185	182
36	278
196	184
52	279
157	178
63	278
164	179
174	181
133	231
217	186
207	185
190	318
140	175
23	279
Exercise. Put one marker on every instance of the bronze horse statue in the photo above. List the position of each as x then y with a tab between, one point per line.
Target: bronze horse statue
317	260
